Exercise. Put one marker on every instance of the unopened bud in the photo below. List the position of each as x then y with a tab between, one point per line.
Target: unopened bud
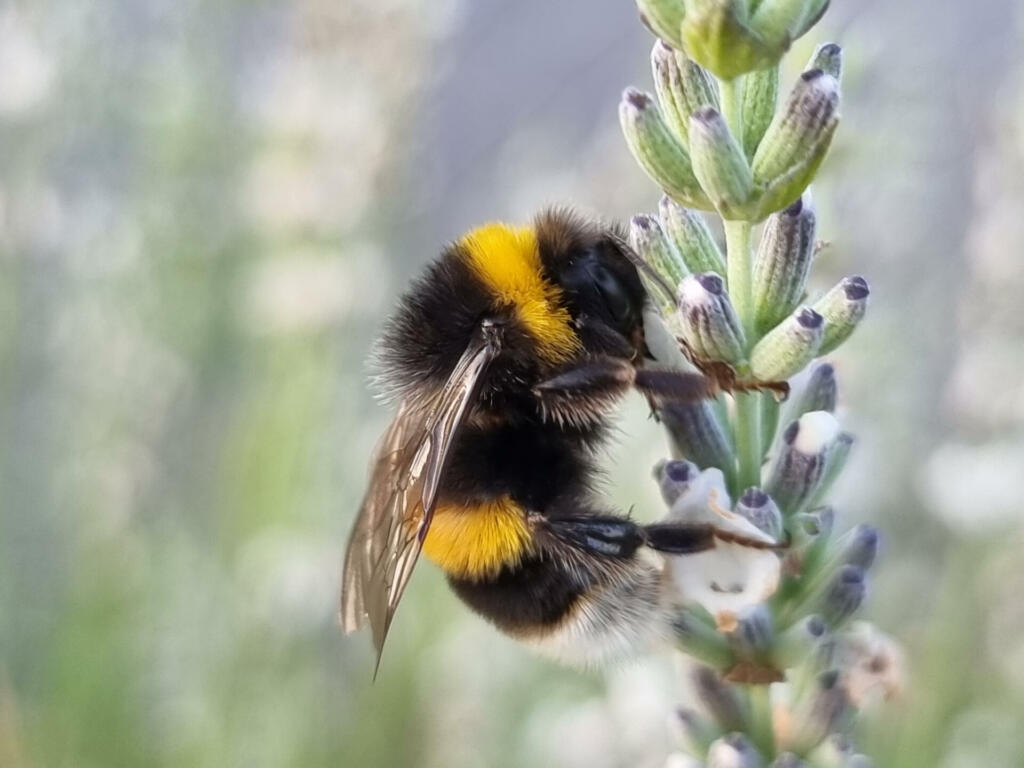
657	150
760	94
829	712
664	18
799	641
800	464
696	433
797	140
838	453
651	245
859	547
754	633
828	57
843	308
693	731
675	478
783	261
721	700
759	508
788	347
719	164
781	21
683	87
845	595
733	751
833	752
818	394
690	234
710	325
717	36
701	640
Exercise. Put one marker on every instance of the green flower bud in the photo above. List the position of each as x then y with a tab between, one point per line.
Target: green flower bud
783	261
719	164
691	237
828	57
799	641
701	640
845	595
709	323
694	732
664	18
843	307
733	751
697	434
782	21
796	142
818	394
788	347
720	700
827	711
683	88
759	508
718	37
799	464
760	93
838	453
657	150
654	248
754	634
675	478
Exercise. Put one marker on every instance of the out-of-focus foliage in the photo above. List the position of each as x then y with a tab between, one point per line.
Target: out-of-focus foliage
206	209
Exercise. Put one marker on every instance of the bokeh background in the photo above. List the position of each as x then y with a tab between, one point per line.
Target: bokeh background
206	209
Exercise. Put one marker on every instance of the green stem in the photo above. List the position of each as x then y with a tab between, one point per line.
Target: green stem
749	448
730	93
761	718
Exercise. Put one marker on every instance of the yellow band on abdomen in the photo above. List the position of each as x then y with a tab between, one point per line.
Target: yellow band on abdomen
474	542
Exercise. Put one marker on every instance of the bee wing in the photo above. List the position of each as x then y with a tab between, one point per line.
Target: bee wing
396	511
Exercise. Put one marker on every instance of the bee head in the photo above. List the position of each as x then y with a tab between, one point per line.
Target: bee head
591	266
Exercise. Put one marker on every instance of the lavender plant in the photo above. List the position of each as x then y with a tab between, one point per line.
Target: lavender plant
782	670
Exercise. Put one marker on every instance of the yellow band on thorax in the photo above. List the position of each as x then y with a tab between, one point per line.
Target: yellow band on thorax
476	541
507	260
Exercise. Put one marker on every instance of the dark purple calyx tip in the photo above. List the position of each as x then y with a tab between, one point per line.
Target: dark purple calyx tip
830	49
678	471
711	283
825	371
754	497
638	99
851	574
856	288
811	75
828	680
642	221
816	626
707	115
794	208
809	319
790	433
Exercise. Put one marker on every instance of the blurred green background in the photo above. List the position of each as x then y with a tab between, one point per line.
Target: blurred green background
206	209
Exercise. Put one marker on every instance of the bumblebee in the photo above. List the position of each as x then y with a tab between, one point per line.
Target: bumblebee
506	358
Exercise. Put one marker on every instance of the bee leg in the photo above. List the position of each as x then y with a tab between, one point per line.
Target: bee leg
689	538
586	391
679	538
662	384
598	534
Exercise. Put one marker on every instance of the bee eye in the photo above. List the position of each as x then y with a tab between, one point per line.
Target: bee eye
596	289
